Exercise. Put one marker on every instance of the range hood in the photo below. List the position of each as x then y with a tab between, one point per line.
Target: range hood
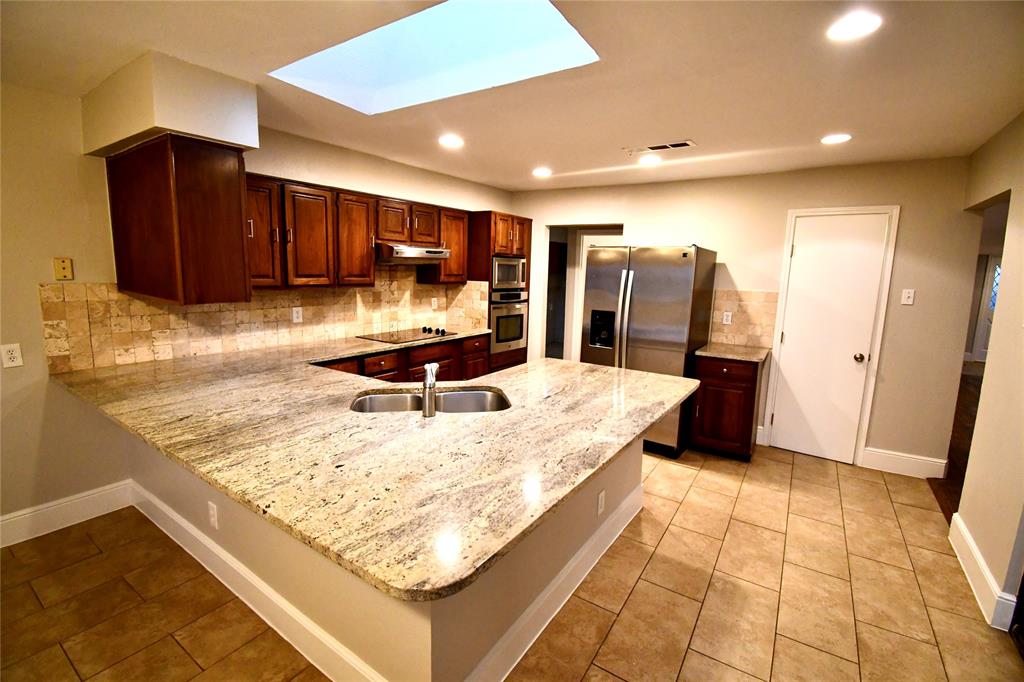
403	254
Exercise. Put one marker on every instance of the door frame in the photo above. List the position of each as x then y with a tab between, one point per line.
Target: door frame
881	304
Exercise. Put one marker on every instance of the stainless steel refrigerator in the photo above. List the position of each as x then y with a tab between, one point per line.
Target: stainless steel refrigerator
648	308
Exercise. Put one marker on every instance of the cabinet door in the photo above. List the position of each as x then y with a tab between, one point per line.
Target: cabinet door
263	231
309	230
520	235
392	220
356	215
502	226
474	365
454	236
722	416
425	227
447	370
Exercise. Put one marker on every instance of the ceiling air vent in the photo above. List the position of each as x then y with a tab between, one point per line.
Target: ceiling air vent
668	146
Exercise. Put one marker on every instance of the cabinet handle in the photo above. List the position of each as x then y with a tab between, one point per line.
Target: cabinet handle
373	240
725	370
698	411
275	236
251	235
288	235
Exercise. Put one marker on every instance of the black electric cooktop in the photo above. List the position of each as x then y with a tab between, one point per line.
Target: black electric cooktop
407	335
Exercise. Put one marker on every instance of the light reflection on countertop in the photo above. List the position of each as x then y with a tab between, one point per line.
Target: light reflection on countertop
416	507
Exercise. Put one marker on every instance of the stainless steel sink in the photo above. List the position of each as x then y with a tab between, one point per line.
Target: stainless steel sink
388	402
456	400
472	400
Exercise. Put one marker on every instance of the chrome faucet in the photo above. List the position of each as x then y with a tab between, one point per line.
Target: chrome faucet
429	390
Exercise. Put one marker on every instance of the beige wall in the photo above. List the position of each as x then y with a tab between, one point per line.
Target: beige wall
992	505
744	220
55	204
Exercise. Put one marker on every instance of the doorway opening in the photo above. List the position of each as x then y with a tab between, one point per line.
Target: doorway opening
567	245
983	305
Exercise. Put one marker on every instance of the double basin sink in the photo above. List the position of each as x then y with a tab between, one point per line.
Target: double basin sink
484	399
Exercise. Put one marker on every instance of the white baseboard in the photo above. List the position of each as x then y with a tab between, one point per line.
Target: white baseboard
26	524
762	436
995	604
325	652
504	655
902	463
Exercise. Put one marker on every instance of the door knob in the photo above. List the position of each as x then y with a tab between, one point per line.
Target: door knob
859	357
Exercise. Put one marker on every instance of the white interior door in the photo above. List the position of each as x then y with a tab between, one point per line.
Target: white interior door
836	272
989	293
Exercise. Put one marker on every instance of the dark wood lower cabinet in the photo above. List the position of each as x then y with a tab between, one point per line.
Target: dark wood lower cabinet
723	410
508	358
465	358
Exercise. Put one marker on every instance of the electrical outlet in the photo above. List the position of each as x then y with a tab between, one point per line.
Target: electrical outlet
727	317
433	303
600	503
12	355
908	297
63	268
211	510
297	314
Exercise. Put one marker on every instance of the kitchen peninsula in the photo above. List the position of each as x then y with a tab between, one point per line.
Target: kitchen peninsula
441	546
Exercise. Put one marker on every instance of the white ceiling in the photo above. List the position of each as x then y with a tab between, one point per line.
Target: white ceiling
754	84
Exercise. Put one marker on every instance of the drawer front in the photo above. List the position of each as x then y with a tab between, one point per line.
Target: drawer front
378	364
433	353
476	344
351	366
715	369
445	371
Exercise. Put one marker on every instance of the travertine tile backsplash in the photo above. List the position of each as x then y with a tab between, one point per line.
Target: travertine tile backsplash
753	317
95	325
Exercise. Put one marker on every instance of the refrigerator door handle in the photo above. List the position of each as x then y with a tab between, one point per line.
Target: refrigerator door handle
618	319
626	302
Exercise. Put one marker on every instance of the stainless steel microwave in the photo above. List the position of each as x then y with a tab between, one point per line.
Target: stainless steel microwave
508	273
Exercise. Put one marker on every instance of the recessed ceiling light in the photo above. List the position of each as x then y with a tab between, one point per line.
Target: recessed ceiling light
854	25
451	141
649	160
836	138
542	172
449	49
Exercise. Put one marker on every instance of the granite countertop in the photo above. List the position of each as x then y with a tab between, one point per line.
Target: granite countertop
417	507
729	351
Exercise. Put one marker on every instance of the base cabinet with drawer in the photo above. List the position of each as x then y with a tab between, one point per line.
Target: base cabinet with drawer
723	409
466	358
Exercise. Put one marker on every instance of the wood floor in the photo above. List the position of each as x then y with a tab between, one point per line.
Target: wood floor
948	490
114	598
789	568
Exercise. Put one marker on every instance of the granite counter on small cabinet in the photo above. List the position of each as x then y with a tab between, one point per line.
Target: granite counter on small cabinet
723	411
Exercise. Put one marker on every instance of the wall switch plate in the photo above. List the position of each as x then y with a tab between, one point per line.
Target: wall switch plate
211	510
63	268
297	314
727	317
907	298
600	503
433	303
12	355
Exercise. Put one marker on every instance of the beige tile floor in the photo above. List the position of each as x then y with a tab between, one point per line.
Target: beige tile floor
114	598
789	568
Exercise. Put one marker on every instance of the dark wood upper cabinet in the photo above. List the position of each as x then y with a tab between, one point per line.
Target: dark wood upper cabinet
356	226
393	220
454	232
503	238
309	235
176	206
520	235
426	230
263	231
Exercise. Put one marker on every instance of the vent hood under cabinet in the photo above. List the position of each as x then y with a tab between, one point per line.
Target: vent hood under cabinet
403	254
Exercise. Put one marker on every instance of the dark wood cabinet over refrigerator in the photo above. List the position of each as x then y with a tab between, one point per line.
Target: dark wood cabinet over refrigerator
176	207
724	408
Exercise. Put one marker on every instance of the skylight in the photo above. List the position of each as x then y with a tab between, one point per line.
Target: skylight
449	49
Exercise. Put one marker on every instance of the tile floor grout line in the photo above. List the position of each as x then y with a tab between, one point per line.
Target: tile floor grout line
917	581
64	653
849	570
782	576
